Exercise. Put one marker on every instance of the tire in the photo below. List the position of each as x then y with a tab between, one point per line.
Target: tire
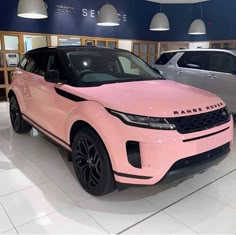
19	125
91	163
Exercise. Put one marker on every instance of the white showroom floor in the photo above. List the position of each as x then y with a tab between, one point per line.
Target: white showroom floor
39	194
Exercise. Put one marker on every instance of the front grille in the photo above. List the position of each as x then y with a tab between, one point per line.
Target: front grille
206	156
200	122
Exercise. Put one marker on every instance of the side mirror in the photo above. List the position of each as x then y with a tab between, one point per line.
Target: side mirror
156	70
52	76
159	72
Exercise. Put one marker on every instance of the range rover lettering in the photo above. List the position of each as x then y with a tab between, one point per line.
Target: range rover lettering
121	121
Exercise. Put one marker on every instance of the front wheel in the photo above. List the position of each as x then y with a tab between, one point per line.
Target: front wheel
18	123
91	163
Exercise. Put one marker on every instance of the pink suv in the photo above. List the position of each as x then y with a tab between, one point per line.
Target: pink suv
121	121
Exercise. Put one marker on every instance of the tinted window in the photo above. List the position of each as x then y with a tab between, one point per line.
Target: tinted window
37	63
53	62
222	62
23	61
194	60
165	58
97	67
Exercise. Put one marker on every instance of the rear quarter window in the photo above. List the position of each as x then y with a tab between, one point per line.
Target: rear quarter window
23	61
165	58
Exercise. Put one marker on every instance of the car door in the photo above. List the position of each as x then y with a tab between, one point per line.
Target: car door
49	110
221	71
191	69
38	92
23	79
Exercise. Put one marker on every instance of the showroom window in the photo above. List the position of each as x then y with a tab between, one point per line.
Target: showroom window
34	41
229	44
87	41
147	51
12	46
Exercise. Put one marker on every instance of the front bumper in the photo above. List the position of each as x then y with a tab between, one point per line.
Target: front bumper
160	150
187	167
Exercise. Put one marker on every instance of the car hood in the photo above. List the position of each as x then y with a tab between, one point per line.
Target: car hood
160	98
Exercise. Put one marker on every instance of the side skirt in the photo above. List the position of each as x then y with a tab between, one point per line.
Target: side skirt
54	138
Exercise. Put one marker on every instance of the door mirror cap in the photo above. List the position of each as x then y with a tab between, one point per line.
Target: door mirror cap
52	76
159	73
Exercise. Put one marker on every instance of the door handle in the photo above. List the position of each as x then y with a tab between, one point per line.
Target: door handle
34	79
179	71
212	76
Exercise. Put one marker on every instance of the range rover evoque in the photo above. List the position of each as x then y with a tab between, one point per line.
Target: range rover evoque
121	121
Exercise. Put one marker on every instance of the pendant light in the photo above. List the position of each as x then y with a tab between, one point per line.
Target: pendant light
108	16
198	27
33	9
160	22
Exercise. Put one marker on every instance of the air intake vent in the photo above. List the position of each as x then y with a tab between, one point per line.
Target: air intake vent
133	153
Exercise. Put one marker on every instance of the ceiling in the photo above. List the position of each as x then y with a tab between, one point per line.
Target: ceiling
177	1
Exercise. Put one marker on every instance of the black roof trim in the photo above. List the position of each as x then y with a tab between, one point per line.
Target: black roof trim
65	48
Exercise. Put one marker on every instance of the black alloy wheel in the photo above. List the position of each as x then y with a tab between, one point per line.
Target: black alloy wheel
18	123
91	163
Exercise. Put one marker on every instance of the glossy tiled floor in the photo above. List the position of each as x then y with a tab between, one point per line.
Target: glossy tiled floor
39	194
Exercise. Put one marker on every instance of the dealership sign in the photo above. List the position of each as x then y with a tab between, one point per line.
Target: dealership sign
85	12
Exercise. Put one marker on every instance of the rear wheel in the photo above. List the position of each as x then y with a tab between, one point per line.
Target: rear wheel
18	123
91	163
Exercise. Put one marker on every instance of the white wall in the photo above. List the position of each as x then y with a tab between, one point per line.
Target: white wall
54	41
125	44
195	45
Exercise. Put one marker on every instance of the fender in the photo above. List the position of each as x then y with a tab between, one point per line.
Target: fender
19	96
100	115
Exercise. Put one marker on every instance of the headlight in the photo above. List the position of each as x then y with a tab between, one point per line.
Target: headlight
143	121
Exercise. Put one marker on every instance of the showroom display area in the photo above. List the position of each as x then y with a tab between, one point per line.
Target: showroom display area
40	194
39	190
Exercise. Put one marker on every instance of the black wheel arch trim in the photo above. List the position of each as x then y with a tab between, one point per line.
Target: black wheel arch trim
68	95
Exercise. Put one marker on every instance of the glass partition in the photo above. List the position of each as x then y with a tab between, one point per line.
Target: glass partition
11	43
33	42
2	80
101	43
147	51
90	42
112	44
1	60
69	41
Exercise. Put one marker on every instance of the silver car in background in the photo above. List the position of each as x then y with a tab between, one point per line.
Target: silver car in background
213	70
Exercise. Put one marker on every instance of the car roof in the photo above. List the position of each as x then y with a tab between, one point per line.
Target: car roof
72	48
201	49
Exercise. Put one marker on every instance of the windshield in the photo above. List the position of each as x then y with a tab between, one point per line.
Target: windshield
98	67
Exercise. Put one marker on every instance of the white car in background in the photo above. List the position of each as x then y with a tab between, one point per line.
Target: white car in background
213	70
